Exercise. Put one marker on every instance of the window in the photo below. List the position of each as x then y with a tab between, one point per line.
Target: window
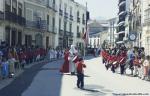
47	19
70	28
78	13
53	23
29	15
70	10
83	17
82	30
14	6
8	5
20	38
65	7
60	4
59	23
77	29
20	9
78	18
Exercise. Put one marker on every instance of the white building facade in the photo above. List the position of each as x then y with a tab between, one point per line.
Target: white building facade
43	23
12	21
145	40
72	23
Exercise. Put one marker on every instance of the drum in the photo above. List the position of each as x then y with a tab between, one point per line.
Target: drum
75	59
114	63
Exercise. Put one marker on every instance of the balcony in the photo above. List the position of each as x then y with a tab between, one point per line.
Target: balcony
1	15
122	13
122	3
121	32
71	17
78	19
39	25
21	20
121	23
66	15
12	17
60	12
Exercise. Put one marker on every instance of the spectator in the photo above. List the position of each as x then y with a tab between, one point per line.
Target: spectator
146	68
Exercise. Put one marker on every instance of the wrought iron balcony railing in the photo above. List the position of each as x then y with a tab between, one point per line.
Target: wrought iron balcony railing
40	25
12	17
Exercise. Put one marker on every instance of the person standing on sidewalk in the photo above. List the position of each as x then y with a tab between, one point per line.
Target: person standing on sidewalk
146	65
80	73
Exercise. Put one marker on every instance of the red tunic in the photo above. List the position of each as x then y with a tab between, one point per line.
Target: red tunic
80	67
65	66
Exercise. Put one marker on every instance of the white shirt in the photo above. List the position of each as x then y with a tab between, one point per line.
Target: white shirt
146	63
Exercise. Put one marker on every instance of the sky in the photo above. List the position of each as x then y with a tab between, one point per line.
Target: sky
101	8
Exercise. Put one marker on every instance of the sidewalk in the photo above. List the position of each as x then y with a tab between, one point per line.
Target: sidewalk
7	81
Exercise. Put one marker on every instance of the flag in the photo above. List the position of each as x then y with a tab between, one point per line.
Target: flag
85	36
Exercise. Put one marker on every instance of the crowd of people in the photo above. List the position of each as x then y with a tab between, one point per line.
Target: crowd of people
16	57
133	59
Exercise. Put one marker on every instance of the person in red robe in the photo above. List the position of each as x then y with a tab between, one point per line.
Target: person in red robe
65	66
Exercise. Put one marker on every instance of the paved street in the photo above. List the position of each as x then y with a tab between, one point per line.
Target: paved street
45	80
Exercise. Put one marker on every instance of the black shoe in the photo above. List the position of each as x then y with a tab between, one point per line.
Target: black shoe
78	86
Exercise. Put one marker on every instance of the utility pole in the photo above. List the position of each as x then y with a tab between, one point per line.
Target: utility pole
86	32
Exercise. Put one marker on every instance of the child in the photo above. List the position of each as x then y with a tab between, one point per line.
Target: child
80	74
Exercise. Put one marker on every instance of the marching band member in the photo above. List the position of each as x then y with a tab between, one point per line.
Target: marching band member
122	61
113	59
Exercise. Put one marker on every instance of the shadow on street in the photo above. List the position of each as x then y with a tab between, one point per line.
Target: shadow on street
21	83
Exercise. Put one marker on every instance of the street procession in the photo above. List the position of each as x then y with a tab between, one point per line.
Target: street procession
74	47
123	58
